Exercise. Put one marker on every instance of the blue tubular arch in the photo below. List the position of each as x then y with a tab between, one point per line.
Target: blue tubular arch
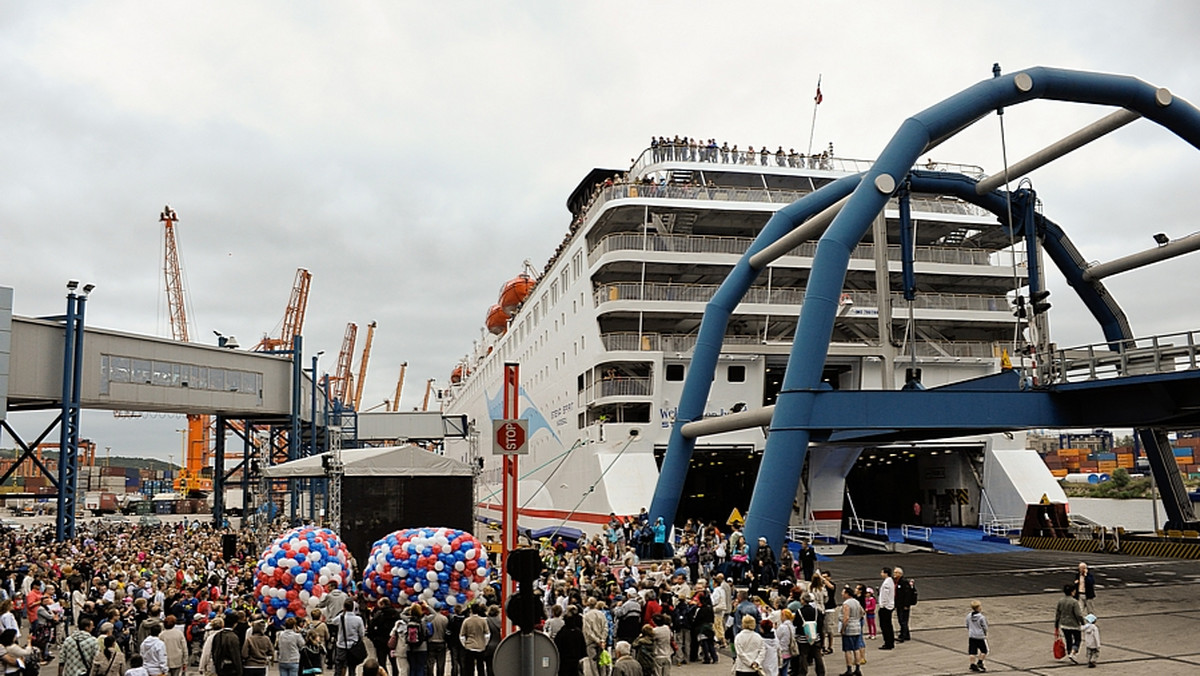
786	448
1055	242
698	383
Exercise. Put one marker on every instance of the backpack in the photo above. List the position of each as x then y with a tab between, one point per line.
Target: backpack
415	634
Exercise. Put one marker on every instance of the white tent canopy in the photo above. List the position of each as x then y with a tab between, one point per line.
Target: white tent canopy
384	461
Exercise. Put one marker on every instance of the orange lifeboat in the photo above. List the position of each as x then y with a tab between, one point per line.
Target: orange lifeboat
459	372
497	320
515	291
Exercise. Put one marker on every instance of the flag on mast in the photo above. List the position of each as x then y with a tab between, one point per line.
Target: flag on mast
818	98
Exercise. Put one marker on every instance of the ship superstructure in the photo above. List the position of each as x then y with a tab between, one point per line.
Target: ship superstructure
604	333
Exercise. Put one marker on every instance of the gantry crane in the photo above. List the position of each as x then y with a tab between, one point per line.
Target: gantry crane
193	479
395	403
293	317
362	366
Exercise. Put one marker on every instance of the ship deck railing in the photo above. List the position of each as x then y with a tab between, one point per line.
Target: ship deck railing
920	205
618	386
707	156
869	527
1164	353
632	341
693	244
762	295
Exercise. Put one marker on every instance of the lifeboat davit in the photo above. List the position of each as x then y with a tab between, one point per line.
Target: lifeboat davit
459	372
515	291
497	320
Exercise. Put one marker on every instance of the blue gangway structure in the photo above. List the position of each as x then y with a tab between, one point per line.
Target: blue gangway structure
1151	385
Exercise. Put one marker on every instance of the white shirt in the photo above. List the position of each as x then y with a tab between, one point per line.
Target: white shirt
8	621
154	655
718	598
887	594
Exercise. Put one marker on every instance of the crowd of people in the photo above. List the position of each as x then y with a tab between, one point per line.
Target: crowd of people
684	149
120	601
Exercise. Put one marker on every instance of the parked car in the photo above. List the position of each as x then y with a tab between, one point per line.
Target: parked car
114	518
149	521
10	524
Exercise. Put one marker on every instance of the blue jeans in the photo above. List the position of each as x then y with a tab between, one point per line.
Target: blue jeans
416	662
289	669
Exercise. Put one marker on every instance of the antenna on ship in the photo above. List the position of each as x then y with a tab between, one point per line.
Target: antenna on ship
816	103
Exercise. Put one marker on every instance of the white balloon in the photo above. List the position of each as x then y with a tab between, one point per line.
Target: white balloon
403	572
439	566
417	586
313	557
445	549
431	575
434	585
281	613
305	595
459	566
323	580
451	599
302	578
470	554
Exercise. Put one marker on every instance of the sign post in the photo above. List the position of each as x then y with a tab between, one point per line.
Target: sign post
508	538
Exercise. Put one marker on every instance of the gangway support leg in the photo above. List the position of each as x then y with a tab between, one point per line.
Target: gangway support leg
219	474
1180	514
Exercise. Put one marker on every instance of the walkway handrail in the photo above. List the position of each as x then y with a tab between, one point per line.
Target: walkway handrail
1164	353
922	533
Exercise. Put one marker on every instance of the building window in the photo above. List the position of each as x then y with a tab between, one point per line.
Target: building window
736	373
674	372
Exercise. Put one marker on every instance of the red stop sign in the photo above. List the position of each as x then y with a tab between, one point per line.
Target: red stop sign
510	437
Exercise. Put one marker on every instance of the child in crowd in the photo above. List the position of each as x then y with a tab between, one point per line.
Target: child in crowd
135	667
871	605
1091	639
977	637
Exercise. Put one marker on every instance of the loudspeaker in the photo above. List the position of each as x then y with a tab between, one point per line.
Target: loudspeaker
229	546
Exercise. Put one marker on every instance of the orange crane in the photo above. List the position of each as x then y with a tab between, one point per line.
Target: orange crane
191	479
341	381
395	404
362	366
293	317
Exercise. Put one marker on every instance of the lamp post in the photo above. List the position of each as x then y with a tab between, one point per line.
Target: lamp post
313	447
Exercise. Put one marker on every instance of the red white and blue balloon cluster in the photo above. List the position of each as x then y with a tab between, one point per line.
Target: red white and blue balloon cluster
439	566
298	569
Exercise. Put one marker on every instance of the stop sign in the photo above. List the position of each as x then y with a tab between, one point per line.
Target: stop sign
509	437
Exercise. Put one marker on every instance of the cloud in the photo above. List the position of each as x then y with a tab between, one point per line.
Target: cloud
412	155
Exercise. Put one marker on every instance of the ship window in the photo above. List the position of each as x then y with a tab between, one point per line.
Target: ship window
577	264
554	292
736	373
674	372
565	278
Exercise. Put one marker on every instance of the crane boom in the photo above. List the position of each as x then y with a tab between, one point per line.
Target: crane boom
173	273
340	382
428	389
362	366
399	386
293	317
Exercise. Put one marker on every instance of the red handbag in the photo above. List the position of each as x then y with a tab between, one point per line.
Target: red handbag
1060	648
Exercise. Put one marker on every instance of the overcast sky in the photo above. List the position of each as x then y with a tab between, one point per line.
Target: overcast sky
413	154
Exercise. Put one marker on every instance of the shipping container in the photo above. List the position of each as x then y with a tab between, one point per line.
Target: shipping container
1058	473
112	471
1181	451
164	507
1104	456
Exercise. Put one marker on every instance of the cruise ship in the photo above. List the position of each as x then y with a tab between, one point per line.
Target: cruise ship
603	335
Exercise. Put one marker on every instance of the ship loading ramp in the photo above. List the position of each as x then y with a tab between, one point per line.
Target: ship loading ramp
1149	384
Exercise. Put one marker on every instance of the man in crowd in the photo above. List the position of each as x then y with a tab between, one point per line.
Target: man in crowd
887	605
906	598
